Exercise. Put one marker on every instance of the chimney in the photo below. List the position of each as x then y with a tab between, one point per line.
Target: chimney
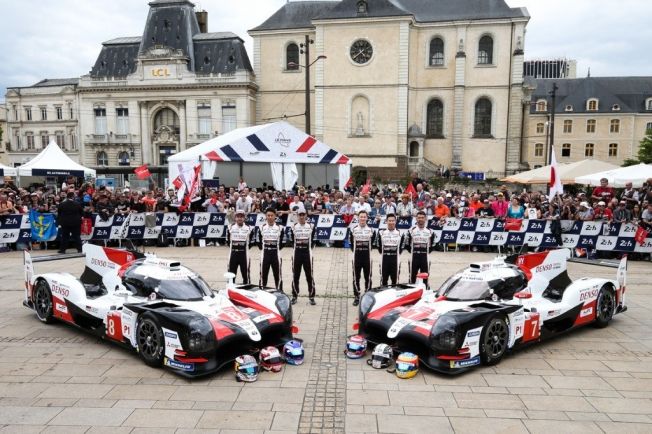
202	20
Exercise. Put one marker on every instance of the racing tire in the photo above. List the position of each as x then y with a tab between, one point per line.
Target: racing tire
494	341
150	341
604	307
43	305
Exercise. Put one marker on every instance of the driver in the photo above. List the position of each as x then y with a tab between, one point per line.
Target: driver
390	245
303	236
239	237
269	238
361	238
419	241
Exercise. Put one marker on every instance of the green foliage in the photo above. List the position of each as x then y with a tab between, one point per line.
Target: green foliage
644	152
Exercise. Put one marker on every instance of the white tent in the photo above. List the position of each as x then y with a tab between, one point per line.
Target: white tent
52	161
637	175
276	147
567	172
7	171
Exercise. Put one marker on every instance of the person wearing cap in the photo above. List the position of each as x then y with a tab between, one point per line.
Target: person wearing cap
240	238
500	205
69	218
622	214
269	238
486	211
584	213
302	236
601	212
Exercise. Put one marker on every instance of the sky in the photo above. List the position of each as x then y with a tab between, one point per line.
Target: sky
62	38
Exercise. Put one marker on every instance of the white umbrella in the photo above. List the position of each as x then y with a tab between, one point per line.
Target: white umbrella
637	175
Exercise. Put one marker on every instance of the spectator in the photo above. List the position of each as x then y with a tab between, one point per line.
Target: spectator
405	207
629	195
212	204
441	210
646	217
515	210
69	219
6	206
622	214
388	207
242	185
500	205
601	212
486	211
604	192
636	212
584	213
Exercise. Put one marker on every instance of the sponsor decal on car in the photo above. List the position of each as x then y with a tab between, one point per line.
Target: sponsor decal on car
59	289
586	312
589	294
171	335
262	318
473	333
187	367
61	307
456	364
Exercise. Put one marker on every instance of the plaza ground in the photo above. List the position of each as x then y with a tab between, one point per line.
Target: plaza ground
54	378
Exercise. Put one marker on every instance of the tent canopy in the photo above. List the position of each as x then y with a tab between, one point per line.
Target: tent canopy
567	172
618	177
52	161
7	171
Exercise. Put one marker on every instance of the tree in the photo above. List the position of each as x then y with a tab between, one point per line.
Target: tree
644	152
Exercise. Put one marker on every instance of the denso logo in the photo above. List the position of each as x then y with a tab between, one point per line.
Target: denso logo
587	295
57	289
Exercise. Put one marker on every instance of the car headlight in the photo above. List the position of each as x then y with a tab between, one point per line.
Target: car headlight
445	333
200	334
366	304
283	306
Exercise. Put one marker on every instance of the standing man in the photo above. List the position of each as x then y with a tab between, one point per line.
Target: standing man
240	239
270	240
361	238
303	236
69	218
390	245
419	241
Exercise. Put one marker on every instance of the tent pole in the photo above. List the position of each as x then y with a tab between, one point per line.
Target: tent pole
303	175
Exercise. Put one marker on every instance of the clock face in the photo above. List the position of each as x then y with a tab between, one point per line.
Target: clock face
361	51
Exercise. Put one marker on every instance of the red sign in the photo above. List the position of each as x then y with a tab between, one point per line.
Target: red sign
142	172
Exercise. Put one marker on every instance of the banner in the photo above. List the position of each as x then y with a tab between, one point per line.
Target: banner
43	226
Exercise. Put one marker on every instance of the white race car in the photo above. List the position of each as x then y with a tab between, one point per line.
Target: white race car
489	308
160	308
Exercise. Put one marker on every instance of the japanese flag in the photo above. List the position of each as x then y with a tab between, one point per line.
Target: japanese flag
555	181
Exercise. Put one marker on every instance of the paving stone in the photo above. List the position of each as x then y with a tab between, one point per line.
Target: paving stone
622	405
203	393
411	424
489	401
558	403
76	391
139	391
361	423
28	415
235	420
472	425
360	397
629	428
422	399
286	421
548	426
568	382
18	390
54	429
154	418
92	416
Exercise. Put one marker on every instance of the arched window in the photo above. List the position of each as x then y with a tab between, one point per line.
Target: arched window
486	51
542	105
168	118
414	149
292	57
540	128
592	105
589	150
436	52
566	150
102	159
123	158
538	150
614	126
482	118
435	124
613	149
648	104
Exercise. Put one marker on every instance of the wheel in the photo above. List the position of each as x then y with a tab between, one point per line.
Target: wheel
604	308
151	345
494	340
43	301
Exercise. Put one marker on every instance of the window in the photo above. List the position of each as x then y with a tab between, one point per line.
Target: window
648	128
167	118
542	105
28	113
615	108
569	108
566	150
589	149
73	142
44	113
568	126
44	140
59	113
592	105
61	139
436	52
486	51
482	118
100	121
362	7
16	114
538	150
17	139
102	159
123	158
435	124
540	128
30	141
204	119
648	104
71	113
229	119
614	126
613	149
122	121
292	57
590	126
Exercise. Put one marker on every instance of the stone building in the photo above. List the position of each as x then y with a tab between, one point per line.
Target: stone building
595	117
3	133
400	85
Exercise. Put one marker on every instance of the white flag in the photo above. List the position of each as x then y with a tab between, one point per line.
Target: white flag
555	181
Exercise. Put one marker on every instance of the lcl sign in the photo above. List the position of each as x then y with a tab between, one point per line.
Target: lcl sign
160	72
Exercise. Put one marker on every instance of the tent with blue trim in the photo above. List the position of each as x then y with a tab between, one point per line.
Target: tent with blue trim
277	152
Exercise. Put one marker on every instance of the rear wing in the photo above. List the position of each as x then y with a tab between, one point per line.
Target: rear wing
621	273
29	261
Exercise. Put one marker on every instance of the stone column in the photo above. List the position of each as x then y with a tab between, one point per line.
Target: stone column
515	111
146	146
459	94
182	125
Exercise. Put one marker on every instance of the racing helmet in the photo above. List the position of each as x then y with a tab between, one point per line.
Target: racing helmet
356	347
407	365
382	357
293	352
270	359
246	368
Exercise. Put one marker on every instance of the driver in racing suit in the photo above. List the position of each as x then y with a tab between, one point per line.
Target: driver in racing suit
390	245
269	238
303	236
419	241
240	239
361	238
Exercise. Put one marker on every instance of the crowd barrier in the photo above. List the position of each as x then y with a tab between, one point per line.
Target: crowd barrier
331	227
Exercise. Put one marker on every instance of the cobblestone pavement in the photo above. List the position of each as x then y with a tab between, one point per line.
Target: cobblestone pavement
57	379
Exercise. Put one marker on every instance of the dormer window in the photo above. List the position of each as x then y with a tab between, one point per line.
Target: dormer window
362	7
542	105
615	108
592	105
568	108
648	104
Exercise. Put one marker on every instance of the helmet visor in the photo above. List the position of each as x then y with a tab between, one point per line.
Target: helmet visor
405	367
379	358
296	352
248	369
354	346
273	360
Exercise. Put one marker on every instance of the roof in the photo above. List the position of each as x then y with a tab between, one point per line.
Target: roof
300	14
123	40
57	82
215	35
169	2
629	93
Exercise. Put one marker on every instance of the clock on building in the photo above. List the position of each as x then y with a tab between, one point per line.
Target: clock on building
361	51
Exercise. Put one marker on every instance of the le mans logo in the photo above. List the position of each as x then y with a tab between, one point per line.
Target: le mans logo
281	140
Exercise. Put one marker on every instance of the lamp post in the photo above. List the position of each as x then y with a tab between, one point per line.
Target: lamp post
305	49
553	94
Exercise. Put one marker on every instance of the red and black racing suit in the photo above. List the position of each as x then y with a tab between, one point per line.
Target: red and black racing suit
270	241
419	242
390	245
303	238
361	240
240	239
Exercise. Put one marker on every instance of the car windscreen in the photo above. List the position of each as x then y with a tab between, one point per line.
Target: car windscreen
461	287
187	288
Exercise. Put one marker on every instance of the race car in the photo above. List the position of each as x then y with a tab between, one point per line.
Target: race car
489	308
163	310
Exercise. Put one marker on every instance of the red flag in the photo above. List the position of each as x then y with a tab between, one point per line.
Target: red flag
348	183
194	185
513	225
367	187
641	235
410	190
142	172
177	182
